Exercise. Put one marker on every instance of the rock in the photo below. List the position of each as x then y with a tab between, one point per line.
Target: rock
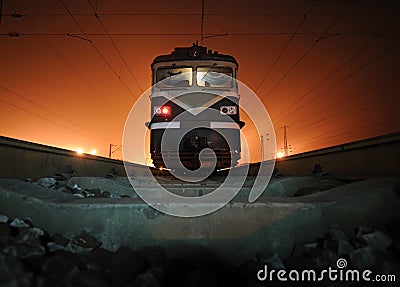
3	218
299	262
65	173
13	273
338	242
25	250
246	272
65	189
394	226
59	267
19	223
199	278
325	259
54	247
35	263
305	249
87	193
48	182
377	239
364	258
126	264
4	229
72	257
79	195
27	234
76	187
106	194
92	263
154	255
361	230
28	242
273	261
89	278
83	243
147	280
103	256
59	239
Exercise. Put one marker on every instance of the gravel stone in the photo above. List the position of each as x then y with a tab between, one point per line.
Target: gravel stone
377	239
19	223
3	218
48	182
126	264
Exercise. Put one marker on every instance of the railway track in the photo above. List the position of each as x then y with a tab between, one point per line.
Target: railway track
378	156
273	224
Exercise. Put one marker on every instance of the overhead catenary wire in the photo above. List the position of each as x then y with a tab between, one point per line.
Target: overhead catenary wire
43	118
54	51
354	107
322	35
333	72
19	95
271	67
206	35
114	45
364	125
97	50
363	66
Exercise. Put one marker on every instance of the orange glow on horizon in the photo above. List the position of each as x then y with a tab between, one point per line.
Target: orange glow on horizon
280	154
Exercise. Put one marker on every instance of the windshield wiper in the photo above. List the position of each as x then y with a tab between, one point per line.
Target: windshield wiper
170	73
209	69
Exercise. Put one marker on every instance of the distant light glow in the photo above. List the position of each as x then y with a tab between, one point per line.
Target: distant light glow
280	154
79	151
93	152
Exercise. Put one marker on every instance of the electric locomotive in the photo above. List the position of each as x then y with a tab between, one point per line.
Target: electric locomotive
194	79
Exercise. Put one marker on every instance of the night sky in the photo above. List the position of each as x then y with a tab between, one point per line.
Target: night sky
329	70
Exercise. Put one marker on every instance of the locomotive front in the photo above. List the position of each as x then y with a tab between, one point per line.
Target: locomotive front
195	99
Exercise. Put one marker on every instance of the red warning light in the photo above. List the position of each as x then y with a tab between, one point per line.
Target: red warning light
166	111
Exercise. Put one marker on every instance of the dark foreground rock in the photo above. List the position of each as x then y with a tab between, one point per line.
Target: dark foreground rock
30	256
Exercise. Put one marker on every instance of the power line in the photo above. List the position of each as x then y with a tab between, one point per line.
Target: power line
347	77
358	109
41	117
154	14
285	47
386	112
50	112
359	52
323	36
207	35
322	111
97	50
71	68
114	45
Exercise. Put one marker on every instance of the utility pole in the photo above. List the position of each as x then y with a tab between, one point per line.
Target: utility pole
1	9
202	22
111	151
285	145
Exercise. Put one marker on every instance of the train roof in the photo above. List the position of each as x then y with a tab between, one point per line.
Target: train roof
195	52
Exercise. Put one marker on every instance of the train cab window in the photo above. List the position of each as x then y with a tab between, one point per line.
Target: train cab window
214	77
174	76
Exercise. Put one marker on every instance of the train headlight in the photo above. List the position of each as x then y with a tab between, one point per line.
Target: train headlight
228	110
164	111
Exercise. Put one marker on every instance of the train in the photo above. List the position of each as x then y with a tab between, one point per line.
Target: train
186	80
